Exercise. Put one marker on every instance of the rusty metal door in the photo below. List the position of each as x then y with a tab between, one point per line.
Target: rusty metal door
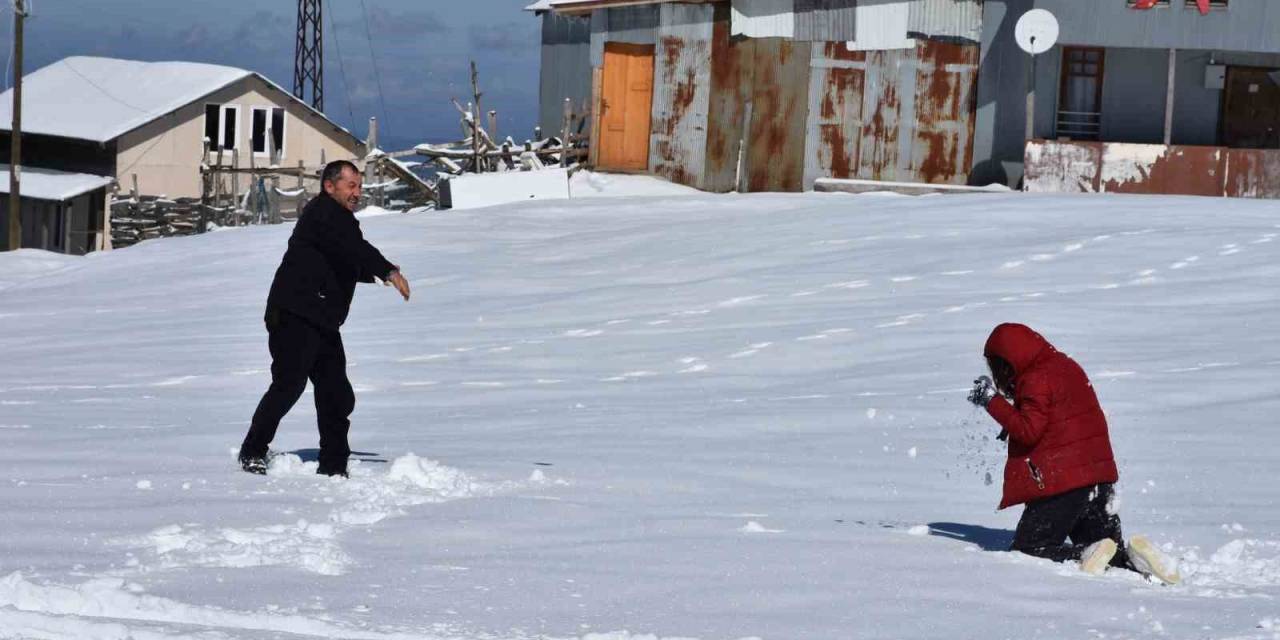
626	100
1251	115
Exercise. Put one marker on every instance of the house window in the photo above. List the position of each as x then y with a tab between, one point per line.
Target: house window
221	125
1080	95
268	125
1147	4
1213	4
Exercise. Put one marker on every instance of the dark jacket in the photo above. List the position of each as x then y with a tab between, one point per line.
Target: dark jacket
327	255
1058	439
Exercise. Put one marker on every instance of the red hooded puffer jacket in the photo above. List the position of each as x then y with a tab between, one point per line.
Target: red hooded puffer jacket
1058	438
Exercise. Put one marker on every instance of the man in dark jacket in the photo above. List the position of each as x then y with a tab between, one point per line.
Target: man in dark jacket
309	300
1060	460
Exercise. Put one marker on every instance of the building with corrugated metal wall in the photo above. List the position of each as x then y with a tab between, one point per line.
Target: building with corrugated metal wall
566	68
769	95
1178	99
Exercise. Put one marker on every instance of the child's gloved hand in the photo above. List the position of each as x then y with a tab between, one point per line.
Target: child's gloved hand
983	391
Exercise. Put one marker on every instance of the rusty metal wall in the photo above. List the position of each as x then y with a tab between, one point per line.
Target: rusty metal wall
826	20
834	133
958	19
1253	173
1054	167
779	112
899	115
945	109
728	112
1111	167
681	93
1156	168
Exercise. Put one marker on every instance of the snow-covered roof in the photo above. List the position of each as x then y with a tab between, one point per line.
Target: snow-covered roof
48	184
100	99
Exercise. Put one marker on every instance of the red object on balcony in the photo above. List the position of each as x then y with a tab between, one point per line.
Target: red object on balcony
1147	4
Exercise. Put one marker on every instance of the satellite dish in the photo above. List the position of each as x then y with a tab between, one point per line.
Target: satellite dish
1036	31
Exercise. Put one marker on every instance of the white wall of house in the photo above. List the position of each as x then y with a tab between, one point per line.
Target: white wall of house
165	154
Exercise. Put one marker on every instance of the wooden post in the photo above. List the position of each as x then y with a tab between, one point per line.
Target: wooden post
1168	100
217	183
273	199
597	78
741	181
564	132
204	187
15	139
475	117
104	243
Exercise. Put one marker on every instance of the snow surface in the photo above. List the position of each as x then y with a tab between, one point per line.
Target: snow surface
695	416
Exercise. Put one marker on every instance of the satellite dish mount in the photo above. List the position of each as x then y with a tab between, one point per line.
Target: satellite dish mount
1036	33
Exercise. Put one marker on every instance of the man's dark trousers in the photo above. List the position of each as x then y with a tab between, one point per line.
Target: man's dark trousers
302	351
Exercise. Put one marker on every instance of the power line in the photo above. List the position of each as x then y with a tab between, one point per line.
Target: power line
373	58
342	70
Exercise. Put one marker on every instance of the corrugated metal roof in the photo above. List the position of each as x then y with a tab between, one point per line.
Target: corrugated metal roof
947	18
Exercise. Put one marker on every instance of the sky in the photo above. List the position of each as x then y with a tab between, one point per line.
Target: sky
422	50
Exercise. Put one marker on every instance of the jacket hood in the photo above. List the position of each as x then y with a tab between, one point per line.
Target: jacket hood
1017	344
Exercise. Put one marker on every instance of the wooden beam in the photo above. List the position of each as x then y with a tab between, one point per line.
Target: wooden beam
1168	100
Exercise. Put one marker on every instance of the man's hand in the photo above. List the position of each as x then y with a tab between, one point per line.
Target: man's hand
396	280
983	391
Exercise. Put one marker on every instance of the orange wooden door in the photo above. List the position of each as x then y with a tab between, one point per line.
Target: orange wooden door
627	99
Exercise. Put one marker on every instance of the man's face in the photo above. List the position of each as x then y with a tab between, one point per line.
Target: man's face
346	189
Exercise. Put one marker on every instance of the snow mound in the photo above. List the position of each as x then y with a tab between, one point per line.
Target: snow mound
1240	563
24	265
364	499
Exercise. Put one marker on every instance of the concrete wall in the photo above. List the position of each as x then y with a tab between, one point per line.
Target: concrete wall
166	153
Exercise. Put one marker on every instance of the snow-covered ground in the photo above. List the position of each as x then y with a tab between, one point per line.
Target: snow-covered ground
679	415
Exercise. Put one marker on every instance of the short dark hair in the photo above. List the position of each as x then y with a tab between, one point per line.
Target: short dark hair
333	171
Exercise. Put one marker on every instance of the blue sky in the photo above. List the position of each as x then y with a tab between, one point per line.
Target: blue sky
422	48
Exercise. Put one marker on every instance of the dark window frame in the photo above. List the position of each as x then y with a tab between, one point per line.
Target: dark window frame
1066	74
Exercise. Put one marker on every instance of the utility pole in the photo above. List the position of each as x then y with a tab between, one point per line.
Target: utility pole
15	136
308	53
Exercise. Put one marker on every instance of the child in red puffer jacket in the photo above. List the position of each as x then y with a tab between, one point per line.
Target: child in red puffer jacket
1060	460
